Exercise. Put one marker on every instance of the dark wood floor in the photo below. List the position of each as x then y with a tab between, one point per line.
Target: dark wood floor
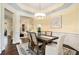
10	50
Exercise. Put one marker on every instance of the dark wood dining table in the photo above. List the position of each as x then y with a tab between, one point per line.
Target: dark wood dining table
46	39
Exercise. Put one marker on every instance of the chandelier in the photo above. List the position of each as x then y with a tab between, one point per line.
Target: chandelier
40	14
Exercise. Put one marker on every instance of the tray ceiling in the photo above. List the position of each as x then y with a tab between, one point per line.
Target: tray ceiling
46	8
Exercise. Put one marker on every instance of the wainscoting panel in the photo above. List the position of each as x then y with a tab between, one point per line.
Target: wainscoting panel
70	39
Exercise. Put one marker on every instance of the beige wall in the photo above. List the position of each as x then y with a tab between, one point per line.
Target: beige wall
78	19
45	24
70	22
28	21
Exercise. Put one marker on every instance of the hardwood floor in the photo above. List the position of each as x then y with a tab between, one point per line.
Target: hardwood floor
10	50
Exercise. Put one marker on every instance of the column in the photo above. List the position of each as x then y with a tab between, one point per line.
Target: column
2	46
16	28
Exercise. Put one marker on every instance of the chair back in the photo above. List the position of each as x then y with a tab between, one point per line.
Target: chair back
60	45
29	37
43	33
33	37
49	33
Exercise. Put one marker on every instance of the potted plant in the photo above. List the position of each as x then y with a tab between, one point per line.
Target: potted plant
39	31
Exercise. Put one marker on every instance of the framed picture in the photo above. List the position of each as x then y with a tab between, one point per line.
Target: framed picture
57	22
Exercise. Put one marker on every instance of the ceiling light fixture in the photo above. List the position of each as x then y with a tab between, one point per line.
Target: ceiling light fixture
40	14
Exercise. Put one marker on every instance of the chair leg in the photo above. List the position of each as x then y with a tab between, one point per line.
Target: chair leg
43	48
37	50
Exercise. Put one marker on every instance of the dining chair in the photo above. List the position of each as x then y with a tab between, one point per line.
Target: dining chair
48	33
55	49
36	46
43	33
29	42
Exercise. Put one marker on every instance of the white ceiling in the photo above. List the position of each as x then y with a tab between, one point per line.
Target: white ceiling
46	8
40	5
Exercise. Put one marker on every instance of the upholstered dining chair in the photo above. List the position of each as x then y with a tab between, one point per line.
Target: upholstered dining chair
29	38
48	33
36	46
43	33
55	49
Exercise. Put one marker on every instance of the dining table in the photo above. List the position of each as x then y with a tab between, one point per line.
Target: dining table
46	39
